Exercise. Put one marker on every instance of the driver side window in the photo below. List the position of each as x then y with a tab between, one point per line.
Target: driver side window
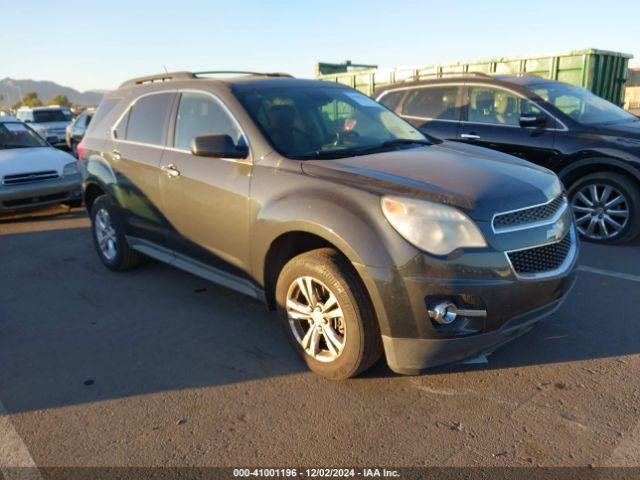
200	114
498	107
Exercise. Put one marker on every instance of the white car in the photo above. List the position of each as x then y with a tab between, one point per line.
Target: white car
32	172
50	122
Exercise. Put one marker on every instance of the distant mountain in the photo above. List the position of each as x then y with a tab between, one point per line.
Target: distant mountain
11	90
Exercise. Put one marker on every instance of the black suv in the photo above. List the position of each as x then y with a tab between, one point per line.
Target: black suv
311	196
591	144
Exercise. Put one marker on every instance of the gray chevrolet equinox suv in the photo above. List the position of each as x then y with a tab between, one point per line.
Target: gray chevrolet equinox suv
364	234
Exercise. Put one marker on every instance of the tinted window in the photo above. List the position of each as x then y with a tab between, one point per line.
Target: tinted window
433	102
391	99
147	119
495	106
200	114
44	116
325	122
580	104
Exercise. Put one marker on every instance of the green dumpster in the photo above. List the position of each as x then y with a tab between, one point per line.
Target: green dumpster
603	72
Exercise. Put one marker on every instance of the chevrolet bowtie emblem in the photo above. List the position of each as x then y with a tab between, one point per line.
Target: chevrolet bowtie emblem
555	232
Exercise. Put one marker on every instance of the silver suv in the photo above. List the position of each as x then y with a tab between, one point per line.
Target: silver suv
50	122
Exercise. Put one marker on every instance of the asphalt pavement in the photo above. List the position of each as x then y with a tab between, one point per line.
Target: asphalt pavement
156	367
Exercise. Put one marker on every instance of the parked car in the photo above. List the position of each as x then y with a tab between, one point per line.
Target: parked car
49	122
32	172
75	131
591	144
361	232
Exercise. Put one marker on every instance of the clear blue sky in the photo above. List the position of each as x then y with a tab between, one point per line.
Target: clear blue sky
89	44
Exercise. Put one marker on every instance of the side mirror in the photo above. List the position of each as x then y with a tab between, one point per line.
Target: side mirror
532	120
220	146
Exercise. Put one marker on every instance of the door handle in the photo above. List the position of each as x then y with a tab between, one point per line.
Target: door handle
116	154
170	170
469	136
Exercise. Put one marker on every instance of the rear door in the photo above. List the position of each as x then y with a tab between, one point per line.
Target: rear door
491	118
138	142
433	109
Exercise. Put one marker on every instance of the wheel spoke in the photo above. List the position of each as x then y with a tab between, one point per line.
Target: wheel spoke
331	301
606	193
298	307
333	342
584	218
592	225
335	313
583	198
616	225
593	189
577	208
603	227
303	289
310	291
618	213
614	201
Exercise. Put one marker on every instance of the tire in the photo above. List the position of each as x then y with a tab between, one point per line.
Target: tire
121	257
586	210
357	327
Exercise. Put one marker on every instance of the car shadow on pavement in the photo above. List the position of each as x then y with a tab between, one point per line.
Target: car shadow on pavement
73	332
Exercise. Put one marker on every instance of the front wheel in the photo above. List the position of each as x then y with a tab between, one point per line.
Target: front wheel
606	207
327	315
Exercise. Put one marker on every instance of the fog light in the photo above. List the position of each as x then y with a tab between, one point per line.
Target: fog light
445	313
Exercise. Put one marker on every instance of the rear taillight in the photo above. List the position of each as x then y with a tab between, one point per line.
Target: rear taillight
80	150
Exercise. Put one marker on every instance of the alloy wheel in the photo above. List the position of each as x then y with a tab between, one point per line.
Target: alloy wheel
105	234
316	318
601	211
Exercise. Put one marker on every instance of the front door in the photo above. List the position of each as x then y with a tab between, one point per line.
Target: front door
206	199
434	110
491	118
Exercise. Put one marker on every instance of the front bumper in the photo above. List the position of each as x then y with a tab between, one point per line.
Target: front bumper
483	280
64	189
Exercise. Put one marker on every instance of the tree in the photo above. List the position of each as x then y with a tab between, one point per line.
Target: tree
29	100
61	100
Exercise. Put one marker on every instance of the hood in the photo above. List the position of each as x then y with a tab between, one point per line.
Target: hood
479	181
26	160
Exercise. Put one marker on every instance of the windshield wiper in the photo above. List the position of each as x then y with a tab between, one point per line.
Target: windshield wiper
397	142
10	145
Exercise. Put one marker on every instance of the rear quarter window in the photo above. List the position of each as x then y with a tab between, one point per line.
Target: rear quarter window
437	103
391	99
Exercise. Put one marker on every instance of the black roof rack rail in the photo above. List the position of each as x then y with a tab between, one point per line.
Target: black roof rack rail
160	77
242	72
170	76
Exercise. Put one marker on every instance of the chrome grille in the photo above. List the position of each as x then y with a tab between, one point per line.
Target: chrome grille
20	178
528	215
541	259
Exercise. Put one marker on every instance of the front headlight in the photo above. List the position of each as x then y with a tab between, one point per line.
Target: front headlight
432	227
71	169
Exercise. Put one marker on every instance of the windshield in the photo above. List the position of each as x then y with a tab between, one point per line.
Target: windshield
580	104
44	116
18	135
326	122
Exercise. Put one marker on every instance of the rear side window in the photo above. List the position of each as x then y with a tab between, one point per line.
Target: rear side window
437	103
201	114
46	116
391	99
147	119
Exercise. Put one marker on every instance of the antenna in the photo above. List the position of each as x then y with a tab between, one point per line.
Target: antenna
165	69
